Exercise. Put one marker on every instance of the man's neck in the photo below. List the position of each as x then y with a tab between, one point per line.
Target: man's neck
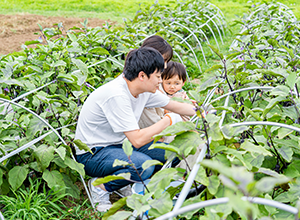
133	87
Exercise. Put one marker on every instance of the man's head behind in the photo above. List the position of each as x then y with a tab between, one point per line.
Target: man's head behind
144	59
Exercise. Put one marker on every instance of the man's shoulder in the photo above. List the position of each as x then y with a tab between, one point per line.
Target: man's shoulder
114	86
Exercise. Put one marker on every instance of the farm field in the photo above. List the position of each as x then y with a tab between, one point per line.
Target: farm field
19	19
243	68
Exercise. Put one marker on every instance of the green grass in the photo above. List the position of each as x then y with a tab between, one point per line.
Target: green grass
105	9
114	10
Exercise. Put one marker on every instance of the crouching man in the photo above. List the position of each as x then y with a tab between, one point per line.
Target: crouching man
111	113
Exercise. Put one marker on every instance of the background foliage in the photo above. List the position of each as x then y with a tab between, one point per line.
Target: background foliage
50	83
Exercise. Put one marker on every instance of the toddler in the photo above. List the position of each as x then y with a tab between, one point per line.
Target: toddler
174	77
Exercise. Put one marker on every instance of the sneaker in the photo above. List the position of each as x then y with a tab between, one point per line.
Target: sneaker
125	191
100	197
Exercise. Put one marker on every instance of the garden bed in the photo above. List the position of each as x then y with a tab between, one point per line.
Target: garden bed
18	28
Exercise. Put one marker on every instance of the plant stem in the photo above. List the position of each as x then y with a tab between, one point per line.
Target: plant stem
276	152
138	174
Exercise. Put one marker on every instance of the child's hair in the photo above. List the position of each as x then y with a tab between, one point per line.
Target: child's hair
158	43
144	59
174	69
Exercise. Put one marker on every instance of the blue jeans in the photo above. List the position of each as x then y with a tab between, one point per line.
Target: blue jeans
100	163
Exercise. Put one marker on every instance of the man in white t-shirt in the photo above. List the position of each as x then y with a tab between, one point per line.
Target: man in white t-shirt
111	113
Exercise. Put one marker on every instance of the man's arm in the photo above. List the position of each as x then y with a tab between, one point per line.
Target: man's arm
140	137
180	108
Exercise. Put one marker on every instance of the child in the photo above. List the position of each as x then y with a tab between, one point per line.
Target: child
174	77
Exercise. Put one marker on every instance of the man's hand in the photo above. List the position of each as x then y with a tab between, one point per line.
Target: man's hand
180	108
174	118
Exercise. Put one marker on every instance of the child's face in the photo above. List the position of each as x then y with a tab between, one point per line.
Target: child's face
172	85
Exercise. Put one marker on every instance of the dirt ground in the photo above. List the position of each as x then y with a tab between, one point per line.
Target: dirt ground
15	30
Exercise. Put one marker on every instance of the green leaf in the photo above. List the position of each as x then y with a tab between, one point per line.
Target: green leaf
61	151
65	78
53	178
59	162
136	203
266	184
120	163
72	37
272	103
81	66
284	197
75	165
215	165
115	207
220	55
283	132
1	177
187	143
32	42
280	90
256	160
212	119
156	181
17	175
11	82
242	207
121	176
286	152
190	201
268	172
176	129
253	149
228	182
81	78
150	163
213	185
201	176
71	188
44	155
59	63
253	114
120	215
291	80
215	133
161	205
99	51
35	125
270	209
82	146
164	146
239	155
127	147
213	68
228	131
292	170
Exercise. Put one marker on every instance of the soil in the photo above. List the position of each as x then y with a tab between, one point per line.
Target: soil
16	29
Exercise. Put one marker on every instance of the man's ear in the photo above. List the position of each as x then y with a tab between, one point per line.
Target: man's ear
142	75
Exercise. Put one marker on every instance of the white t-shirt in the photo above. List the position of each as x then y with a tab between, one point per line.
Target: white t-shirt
110	111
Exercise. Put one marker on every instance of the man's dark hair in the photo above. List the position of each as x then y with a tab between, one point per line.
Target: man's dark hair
158	43
174	69
144	59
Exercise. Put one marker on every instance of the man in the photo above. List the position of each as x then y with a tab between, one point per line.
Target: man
111	113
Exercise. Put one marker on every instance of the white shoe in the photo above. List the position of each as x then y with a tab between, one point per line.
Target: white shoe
125	191
100	197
